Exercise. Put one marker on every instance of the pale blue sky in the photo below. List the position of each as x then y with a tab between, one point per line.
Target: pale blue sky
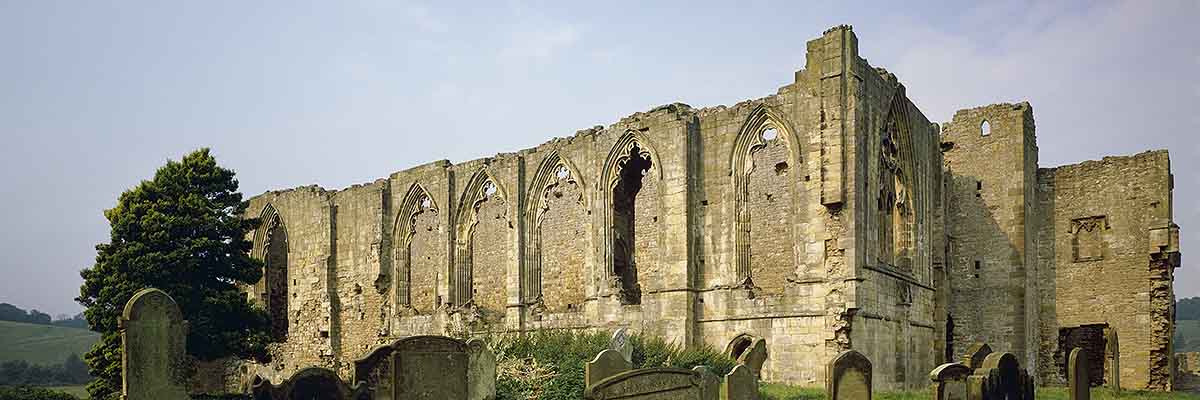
94	96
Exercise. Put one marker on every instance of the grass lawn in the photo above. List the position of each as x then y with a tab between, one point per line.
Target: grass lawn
43	344
770	391
77	391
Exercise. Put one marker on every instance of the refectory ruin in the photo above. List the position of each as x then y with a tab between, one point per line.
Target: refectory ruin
829	216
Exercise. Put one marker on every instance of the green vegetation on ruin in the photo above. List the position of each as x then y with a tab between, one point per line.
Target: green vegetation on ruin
548	365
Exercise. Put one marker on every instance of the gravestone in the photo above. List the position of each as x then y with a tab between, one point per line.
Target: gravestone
154	363
950	381
710	383
620	343
975	355
312	383
1000	377
848	377
375	371
755	356
649	384
430	368
481	371
740	384
606	364
1078	384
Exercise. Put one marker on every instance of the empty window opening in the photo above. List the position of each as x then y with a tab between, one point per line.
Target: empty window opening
563	172
949	350
978	185
985	128
781	168
489	189
426	203
276	277
770	134
624	232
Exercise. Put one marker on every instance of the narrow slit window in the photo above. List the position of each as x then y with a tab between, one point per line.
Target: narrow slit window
985	128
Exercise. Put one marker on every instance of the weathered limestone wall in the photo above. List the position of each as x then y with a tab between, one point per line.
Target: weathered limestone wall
694	225
1114	250
306	213
831	215
990	226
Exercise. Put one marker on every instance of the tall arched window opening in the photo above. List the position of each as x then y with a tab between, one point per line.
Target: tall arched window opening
624	208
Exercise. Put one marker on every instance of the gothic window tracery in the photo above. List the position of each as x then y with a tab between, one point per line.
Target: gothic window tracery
766	256
894	214
557	221
420	252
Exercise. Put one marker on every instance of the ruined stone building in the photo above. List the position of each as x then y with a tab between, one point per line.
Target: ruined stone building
830	215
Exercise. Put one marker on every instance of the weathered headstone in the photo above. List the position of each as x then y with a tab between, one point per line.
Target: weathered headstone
430	368
1000	377
710	383
950	381
606	364
740	384
620	343
755	356
848	377
375	371
313	383
154	363
481	372
1078	383
649	384
975	355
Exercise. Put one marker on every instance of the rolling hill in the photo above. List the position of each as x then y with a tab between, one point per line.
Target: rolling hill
43	344
1187	335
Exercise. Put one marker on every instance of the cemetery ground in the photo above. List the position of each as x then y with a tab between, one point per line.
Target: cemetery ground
770	391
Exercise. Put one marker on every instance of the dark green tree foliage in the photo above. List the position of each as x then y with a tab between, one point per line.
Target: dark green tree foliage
1187	309
20	372
181	232
9	312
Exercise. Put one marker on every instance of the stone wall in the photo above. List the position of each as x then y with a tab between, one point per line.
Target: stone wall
991	173
1106	262
828	216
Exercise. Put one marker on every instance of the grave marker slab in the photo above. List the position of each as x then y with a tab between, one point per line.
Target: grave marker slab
649	384
975	355
430	368
755	356
740	384
1078	382
620	343
848	377
481	373
710	385
950	381
606	364
154	363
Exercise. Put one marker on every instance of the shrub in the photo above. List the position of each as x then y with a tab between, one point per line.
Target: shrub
548	365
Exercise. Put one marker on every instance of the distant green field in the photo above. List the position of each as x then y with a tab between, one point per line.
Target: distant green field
43	344
77	391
